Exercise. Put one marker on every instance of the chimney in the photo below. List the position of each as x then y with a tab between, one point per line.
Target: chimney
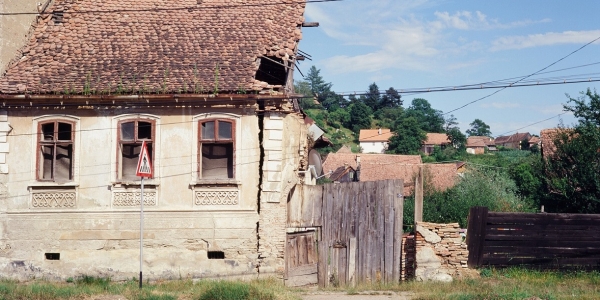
379	131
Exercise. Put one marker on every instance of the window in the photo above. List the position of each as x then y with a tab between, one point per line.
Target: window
55	146
131	135
216	149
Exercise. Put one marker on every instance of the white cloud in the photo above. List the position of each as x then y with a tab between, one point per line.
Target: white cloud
545	39
466	20
501	105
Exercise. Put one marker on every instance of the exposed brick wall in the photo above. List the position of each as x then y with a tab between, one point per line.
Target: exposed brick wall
408	257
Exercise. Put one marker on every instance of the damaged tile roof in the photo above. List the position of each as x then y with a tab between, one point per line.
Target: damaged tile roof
375	135
155	46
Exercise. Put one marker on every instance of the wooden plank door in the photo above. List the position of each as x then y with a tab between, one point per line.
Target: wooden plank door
301	258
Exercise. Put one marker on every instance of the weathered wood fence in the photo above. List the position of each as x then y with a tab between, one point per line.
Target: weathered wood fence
360	231
541	241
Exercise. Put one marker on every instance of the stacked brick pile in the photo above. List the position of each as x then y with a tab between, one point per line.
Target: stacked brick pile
408	257
447	244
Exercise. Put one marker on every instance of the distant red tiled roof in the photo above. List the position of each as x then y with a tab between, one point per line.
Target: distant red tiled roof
377	166
154	46
344	149
479	141
436	139
548	136
534	140
441	176
515	138
373	135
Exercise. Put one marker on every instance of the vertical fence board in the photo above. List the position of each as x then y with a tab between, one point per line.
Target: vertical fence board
476	235
398	199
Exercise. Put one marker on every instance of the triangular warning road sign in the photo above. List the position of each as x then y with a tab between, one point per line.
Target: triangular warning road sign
144	166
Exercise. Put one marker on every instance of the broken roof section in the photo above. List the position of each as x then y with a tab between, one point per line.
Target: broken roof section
158	46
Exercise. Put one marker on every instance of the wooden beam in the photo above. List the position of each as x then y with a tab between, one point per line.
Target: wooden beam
310	24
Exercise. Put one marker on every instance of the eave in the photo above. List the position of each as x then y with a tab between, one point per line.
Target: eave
50	100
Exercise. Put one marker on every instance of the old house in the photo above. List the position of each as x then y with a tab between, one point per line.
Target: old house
373	167
374	140
479	144
432	140
515	141
206	84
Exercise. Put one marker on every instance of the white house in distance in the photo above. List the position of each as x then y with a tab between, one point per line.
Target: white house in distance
374	140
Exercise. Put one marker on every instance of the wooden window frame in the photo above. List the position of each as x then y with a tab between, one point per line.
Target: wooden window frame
217	140
135	141
41	142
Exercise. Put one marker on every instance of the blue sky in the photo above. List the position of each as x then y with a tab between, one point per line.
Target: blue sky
422	43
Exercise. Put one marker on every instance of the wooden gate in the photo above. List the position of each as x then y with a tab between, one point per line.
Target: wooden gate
360	226
301	258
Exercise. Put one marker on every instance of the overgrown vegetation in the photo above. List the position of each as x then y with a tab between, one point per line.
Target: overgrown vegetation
86	286
511	283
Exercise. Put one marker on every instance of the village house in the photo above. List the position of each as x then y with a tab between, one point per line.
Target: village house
479	144
432	140
206	84
374	140
339	167
514	141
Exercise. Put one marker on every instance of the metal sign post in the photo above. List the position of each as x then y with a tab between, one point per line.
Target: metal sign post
144	169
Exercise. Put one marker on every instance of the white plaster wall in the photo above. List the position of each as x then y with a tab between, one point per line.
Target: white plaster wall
373	147
97	238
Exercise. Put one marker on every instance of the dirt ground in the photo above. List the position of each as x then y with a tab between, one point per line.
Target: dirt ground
362	295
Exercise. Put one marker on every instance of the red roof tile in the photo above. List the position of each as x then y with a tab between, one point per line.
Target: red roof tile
175	46
373	135
436	139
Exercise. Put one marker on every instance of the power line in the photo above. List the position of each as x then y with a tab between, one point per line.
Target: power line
532	74
529	125
187	8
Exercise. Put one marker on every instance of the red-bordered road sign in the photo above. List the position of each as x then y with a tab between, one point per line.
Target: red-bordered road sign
144	165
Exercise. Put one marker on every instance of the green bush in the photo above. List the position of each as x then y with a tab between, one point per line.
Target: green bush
490	188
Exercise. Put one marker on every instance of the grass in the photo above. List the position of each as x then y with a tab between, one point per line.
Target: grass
513	283
86	286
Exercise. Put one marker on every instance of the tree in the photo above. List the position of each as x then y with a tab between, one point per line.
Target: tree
360	117
408	137
428	119
322	90
373	97
391	99
450	123
479	128
572	175
303	87
457	138
387	116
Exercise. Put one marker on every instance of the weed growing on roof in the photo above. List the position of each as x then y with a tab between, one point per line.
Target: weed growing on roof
87	86
216	90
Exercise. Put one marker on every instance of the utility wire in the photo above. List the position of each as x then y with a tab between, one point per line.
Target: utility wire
188	8
529	125
532	74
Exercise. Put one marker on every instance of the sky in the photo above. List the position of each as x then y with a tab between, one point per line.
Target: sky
432	43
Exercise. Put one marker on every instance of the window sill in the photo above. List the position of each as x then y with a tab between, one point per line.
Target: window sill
52	184
147	182
216	182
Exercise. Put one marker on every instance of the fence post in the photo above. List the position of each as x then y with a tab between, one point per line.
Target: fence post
398	222
419	196
476	235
